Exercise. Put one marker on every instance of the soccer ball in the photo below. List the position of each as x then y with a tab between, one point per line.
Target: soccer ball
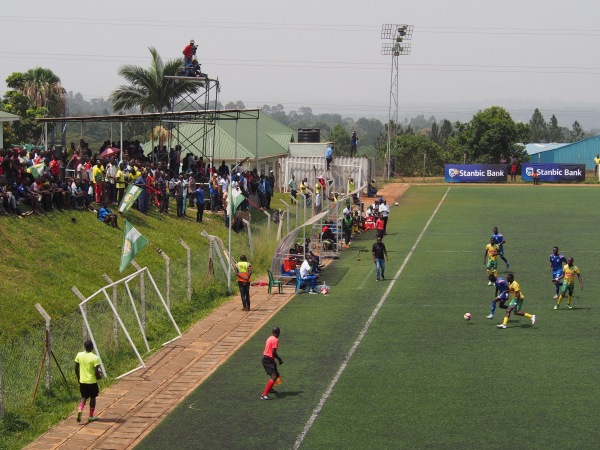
396	203
467	316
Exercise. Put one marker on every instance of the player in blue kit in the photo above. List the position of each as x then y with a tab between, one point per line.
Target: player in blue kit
499	239
557	261
501	293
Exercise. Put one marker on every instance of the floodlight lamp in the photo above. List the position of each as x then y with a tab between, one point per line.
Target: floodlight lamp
399	39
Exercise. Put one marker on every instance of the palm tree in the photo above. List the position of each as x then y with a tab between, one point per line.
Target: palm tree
149	90
42	87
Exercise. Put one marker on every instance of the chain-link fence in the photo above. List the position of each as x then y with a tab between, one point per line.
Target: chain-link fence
23	362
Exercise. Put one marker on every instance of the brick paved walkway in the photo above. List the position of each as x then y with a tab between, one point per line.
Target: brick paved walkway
134	405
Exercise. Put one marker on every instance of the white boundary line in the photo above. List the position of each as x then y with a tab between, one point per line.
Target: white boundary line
362	334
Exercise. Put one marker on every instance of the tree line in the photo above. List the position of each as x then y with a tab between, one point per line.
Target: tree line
490	136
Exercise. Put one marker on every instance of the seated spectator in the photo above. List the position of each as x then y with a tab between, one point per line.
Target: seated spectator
327	238
288	268
107	216
306	275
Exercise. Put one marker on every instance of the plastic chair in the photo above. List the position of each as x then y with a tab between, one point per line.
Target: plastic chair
299	281
274	282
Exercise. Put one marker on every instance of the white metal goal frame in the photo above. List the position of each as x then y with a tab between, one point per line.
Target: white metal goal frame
125	281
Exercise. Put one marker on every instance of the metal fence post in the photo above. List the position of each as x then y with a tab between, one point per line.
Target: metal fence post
142	294
114	302
249	238
168	269
189	268
84	332
1	392
287	211
48	351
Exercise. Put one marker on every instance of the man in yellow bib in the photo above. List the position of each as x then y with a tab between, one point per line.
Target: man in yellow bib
243	270
596	164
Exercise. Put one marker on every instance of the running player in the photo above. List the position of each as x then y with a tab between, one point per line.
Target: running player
568	277
501	294
556	267
499	239
268	362
490	259
516	303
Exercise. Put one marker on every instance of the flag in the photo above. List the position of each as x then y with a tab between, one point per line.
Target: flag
278	381
236	198
37	170
133	242
129	198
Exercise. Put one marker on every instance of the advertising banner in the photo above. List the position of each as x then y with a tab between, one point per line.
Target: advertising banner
556	173
475	173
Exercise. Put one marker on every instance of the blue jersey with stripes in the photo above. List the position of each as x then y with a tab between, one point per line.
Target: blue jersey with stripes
498	239
557	261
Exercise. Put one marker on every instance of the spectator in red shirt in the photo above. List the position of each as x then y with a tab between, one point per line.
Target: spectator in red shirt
55	167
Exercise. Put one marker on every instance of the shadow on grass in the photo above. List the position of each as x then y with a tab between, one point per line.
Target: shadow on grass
288	394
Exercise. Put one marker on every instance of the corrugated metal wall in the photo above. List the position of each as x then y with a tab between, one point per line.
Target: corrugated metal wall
313	166
582	152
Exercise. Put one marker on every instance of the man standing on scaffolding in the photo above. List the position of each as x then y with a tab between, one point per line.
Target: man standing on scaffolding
329	155
188	55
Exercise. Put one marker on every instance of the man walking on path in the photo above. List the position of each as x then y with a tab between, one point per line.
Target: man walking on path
379	252
87	369
268	362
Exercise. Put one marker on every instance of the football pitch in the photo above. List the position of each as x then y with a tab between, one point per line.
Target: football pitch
394	364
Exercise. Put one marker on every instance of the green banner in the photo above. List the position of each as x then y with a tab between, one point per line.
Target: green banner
133	242
131	195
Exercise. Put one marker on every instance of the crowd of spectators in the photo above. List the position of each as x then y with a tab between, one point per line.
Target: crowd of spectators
39	180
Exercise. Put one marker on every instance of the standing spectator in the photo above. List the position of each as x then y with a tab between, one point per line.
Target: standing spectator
379	252
184	192
268	362
120	183
513	170
179	195
596	164
269	189
214	193
262	192
347	228
87	369
243	270
272	181
380	226
98	180
161	185
199	194
191	189
143	198
223	170
329	155
353	144
292	185
384	210
111	174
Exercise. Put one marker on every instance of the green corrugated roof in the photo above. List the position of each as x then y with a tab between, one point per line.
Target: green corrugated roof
273	138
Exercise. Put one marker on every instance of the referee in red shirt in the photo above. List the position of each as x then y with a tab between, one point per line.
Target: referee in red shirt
268	362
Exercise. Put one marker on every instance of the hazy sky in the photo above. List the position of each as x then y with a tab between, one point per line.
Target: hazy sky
466	54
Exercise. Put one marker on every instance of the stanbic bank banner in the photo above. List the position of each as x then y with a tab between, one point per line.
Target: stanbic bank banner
554	172
475	173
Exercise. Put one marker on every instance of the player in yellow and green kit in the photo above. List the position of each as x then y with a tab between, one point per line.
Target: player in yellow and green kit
516	303
568	277
490	259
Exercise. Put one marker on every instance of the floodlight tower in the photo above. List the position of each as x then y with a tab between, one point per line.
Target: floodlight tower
397	33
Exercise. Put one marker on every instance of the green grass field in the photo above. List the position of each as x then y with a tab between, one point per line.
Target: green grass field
423	377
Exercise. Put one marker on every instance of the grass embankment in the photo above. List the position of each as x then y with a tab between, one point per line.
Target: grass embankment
44	256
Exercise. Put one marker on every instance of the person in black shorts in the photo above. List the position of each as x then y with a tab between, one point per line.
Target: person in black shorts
268	362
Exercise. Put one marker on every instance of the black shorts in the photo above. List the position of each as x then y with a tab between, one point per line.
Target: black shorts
270	366
89	390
